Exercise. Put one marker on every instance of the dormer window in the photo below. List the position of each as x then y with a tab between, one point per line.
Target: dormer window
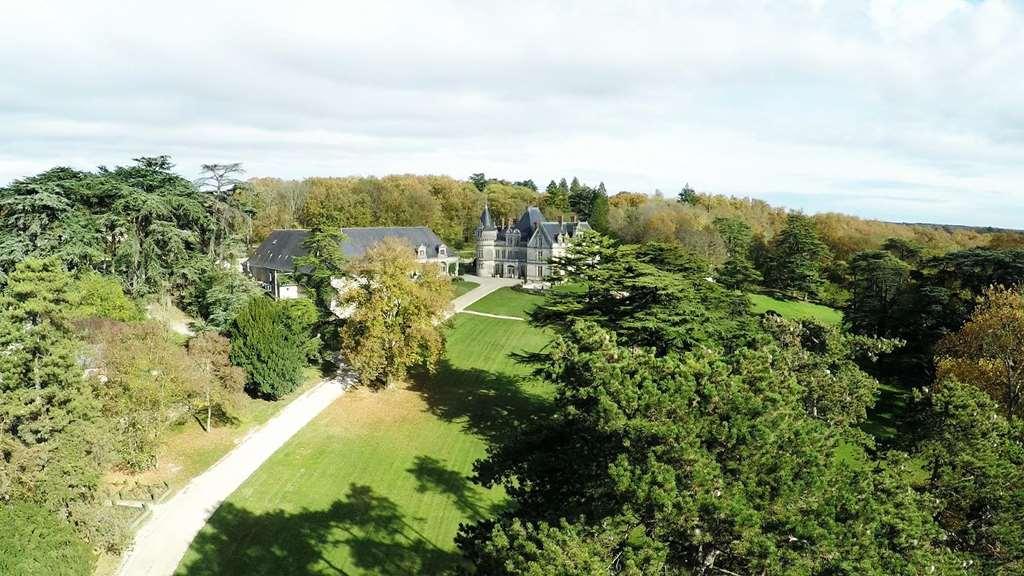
442	251
421	252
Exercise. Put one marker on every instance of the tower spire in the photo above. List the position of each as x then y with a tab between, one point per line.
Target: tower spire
485	218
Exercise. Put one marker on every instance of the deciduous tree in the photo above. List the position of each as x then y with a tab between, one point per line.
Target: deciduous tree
988	351
397	306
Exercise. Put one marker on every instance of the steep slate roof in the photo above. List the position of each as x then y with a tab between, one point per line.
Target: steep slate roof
359	240
485	218
279	250
548	231
531	217
282	247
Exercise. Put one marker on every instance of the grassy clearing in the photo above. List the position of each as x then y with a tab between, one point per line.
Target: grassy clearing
795	310
507	302
377	484
462	286
890	409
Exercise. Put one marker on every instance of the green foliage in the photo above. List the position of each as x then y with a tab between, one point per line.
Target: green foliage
598	217
271	341
323	262
688	196
653	295
94	295
557	196
738	273
909	251
974	460
52	441
34	542
142	223
218	294
680	463
41	386
797	257
877	281
826	362
147	383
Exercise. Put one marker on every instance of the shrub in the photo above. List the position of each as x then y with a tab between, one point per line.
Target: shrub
147	382
34	542
271	341
94	295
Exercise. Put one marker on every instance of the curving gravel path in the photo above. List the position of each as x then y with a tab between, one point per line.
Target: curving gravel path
163	540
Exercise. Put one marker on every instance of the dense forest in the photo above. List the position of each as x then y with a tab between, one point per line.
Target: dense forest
689	435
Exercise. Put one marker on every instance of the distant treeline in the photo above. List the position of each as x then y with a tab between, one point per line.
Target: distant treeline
451	207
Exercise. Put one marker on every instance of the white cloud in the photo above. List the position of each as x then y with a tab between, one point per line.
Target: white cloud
900	110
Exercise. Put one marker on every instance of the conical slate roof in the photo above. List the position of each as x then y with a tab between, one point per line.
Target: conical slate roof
485	218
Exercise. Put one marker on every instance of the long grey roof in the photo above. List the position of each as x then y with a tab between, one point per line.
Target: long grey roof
359	240
282	247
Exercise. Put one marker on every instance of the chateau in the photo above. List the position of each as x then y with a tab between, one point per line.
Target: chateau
524	249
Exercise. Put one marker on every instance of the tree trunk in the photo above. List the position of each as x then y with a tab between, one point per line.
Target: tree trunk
209	409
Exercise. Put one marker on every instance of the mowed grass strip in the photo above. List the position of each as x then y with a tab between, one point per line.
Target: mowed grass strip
378	483
462	286
507	302
794	310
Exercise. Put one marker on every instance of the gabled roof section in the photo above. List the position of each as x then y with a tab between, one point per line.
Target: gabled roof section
530	219
279	250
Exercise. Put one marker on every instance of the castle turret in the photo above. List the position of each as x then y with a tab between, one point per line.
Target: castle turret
486	236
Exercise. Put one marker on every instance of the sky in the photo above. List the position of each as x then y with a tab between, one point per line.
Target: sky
897	110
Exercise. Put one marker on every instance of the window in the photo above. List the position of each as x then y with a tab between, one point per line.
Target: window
442	250
421	251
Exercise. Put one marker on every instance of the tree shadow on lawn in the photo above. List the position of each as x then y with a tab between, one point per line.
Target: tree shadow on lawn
433	476
493	405
376	533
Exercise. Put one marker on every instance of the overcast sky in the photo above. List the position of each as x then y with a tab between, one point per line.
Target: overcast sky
886	109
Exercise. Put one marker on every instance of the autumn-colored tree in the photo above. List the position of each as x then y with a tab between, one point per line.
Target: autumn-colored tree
397	306
988	351
224	381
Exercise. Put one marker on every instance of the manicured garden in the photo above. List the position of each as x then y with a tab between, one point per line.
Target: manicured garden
462	286
507	302
795	310
378	483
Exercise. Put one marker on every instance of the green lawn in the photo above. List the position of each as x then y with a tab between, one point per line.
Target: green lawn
507	302
462	286
795	310
885	416
377	484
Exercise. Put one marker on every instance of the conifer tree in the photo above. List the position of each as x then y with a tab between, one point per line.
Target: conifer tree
797	257
271	341
41	386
